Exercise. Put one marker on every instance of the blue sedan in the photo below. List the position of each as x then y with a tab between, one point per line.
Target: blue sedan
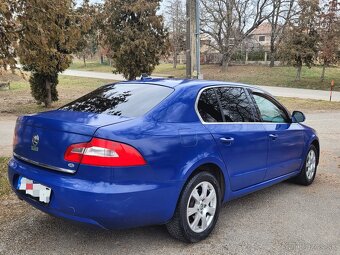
159	151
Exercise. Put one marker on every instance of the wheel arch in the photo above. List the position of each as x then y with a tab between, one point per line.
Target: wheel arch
316	144
216	168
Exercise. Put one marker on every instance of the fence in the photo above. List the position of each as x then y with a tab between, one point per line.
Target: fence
242	58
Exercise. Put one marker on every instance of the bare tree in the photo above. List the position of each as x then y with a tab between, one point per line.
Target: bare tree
176	24
229	22
282	13
329	34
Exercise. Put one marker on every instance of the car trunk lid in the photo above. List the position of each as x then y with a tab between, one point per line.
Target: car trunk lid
43	138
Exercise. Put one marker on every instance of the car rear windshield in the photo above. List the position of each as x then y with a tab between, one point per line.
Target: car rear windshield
128	100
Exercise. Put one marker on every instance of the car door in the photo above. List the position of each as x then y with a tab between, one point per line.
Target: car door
227	113
286	139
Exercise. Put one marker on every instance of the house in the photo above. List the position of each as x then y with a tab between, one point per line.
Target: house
262	35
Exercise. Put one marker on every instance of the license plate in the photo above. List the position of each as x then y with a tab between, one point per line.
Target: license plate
34	189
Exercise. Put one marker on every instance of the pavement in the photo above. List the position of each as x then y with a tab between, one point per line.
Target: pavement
6	135
276	91
97	75
283	219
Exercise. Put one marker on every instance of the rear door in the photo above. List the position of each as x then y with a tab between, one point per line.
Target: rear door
227	113
286	139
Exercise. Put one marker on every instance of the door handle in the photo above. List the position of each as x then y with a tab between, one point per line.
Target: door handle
227	140
273	136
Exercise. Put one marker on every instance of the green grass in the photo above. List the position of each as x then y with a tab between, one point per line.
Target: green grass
4	185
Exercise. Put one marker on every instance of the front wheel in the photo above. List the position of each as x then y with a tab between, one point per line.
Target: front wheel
197	210
308	172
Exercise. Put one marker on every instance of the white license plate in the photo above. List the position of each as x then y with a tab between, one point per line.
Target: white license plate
34	189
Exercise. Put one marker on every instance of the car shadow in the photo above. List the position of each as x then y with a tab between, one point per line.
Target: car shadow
43	233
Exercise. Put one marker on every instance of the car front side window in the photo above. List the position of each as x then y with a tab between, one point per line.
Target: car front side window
269	111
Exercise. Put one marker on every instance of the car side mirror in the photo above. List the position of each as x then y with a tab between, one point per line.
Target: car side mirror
298	117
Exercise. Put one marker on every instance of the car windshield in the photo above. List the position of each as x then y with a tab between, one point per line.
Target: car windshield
128	100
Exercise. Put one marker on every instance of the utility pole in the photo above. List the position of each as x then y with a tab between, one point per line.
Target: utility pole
189	50
193	39
198	40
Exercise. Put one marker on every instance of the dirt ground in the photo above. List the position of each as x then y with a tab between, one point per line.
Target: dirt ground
283	219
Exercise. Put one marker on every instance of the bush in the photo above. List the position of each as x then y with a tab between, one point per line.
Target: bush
38	87
256	55
238	56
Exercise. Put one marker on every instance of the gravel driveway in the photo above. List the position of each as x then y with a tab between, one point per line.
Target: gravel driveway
283	219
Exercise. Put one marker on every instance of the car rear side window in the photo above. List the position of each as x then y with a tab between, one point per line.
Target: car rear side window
208	106
128	100
235	104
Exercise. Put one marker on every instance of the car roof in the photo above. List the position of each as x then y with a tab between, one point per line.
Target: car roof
178	83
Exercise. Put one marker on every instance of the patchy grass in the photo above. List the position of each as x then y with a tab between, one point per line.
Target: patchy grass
257	75
4	185
93	66
308	105
276	76
19	101
168	70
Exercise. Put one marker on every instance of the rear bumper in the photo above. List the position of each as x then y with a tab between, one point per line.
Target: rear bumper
104	204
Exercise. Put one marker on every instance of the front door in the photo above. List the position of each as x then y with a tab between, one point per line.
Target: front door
286	139
228	115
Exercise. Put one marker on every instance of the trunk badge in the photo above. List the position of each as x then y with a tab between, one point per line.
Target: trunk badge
35	142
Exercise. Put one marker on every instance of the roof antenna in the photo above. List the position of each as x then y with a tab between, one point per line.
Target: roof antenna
145	76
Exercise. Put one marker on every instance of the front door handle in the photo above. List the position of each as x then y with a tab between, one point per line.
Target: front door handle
227	140
273	136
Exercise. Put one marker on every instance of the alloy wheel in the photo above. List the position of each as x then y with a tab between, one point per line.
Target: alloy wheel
201	207
310	164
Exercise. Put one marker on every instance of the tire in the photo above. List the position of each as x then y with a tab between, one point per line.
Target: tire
204	209
308	172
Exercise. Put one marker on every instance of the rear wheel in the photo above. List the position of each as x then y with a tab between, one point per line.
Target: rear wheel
198	209
308	172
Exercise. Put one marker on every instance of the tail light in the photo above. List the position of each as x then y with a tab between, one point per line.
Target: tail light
15	135
100	152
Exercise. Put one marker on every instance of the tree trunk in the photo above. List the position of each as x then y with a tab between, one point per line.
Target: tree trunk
175	59
225	62
322	78
272	51
48	99
84	59
298	73
272	57
101	59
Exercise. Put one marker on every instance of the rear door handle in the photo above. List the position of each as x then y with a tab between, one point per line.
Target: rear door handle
227	140
273	136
